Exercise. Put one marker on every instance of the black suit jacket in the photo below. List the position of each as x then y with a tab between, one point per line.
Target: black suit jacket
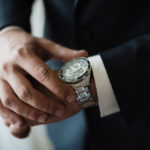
119	32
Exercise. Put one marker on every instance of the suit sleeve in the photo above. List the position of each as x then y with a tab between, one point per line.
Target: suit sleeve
128	68
16	13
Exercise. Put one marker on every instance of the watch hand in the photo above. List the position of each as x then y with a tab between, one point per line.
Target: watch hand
69	73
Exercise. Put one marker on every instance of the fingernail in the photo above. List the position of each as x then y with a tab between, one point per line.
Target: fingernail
42	118
70	98
59	112
85	52
81	50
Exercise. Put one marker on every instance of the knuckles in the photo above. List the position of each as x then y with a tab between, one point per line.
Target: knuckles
6	67
20	53
48	108
42	74
24	93
7	102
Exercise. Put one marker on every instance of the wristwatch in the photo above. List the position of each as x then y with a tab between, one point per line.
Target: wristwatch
77	73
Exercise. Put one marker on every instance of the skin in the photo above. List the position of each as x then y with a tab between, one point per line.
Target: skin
30	92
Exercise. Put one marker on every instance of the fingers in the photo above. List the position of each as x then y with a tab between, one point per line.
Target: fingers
38	70
10	101
42	73
60	52
16	124
33	97
23	89
19	132
10	117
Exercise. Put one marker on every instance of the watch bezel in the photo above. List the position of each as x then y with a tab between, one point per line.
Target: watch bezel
79	79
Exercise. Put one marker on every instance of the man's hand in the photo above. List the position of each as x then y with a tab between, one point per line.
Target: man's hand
65	94
22	55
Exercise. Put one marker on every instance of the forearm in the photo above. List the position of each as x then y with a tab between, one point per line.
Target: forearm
16	13
128	70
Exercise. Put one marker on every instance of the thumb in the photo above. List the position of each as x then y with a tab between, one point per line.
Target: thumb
19	132
59	52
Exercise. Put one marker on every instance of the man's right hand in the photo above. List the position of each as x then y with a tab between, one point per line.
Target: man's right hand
22	55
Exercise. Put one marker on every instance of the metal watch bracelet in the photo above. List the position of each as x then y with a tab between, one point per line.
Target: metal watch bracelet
84	97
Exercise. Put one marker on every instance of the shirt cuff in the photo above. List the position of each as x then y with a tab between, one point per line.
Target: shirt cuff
8	28
106	98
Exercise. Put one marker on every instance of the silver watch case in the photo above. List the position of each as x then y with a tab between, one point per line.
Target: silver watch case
84	80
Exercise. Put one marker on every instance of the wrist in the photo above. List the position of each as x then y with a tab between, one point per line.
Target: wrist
10	28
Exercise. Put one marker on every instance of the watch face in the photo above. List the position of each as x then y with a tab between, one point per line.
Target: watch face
74	70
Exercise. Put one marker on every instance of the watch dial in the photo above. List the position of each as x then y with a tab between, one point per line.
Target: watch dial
75	69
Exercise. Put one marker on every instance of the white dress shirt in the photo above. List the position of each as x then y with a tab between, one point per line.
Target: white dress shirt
106	97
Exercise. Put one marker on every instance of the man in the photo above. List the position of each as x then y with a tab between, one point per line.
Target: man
118	31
